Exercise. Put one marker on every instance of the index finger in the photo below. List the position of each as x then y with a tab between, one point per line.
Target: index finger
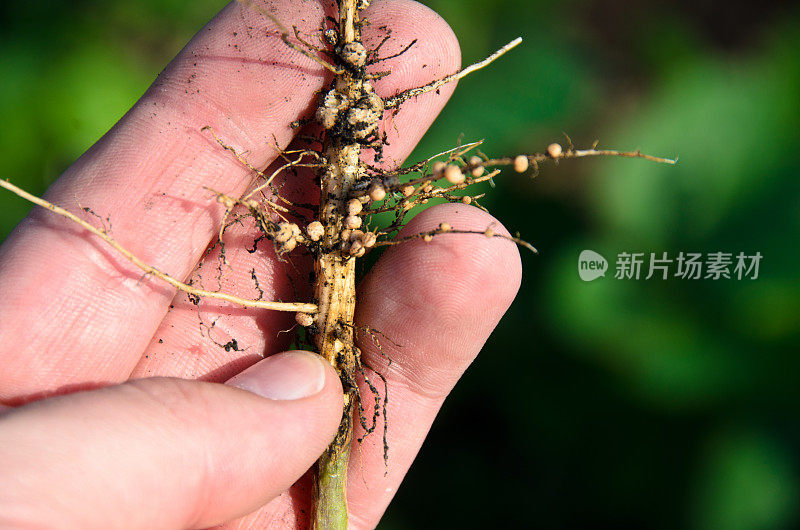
68	303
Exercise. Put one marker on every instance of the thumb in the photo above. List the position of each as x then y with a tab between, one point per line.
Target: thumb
167	453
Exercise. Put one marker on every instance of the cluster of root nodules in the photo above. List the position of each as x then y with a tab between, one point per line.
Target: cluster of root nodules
350	114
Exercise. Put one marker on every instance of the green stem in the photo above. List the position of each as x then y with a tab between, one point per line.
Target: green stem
331	492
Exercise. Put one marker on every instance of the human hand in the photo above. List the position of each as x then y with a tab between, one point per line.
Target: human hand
109	444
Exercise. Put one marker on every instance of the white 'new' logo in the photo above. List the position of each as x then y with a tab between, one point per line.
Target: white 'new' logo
591	265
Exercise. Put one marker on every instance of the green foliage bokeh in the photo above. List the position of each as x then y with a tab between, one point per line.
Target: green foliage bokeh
626	404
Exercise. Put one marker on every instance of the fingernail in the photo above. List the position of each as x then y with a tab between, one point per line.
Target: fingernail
284	376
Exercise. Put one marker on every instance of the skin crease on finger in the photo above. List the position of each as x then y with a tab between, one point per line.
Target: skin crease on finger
424	370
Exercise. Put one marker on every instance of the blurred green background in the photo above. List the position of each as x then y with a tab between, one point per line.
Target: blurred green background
612	404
